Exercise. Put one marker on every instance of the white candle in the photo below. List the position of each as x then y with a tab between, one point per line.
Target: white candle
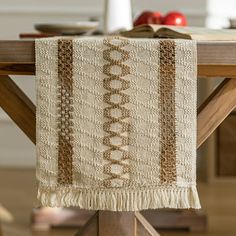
118	15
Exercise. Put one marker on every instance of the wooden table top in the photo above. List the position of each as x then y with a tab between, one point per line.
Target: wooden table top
215	58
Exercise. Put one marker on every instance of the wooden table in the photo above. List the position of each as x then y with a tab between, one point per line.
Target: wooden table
215	59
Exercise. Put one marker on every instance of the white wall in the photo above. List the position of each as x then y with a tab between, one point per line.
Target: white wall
20	15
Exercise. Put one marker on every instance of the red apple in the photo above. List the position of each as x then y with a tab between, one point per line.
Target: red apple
148	17
174	18
143	18
155	18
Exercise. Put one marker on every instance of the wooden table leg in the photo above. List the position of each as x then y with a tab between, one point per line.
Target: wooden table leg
108	223
215	109
18	106
91	227
144	228
116	223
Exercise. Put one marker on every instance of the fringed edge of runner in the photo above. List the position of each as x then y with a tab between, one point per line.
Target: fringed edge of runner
119	199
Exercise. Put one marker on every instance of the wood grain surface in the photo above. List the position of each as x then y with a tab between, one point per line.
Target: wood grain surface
214	58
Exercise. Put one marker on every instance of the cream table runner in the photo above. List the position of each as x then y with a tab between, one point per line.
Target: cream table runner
116	123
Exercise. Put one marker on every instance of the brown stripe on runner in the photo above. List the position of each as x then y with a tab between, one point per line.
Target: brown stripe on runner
117	124
65	108
167	114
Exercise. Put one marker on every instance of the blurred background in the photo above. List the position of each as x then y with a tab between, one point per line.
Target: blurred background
217	159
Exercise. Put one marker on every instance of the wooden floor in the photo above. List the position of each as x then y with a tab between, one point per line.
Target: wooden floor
18	191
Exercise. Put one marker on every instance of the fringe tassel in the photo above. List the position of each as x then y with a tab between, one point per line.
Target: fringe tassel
119	199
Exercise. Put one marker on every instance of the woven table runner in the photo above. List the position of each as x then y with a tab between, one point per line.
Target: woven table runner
116	123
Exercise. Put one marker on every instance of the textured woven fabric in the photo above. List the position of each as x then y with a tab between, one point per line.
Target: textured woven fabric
116	123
